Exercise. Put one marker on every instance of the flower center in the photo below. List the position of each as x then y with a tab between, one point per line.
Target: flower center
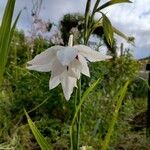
77	57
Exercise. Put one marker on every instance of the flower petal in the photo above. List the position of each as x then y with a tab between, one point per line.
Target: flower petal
54	81
66	55
43	61
68	83
74	72
90	54
40	68
57	68
75	68
84	68
45	57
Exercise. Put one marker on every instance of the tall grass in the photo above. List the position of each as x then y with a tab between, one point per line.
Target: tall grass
6	34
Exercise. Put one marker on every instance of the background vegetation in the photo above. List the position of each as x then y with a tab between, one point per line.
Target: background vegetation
23	89
26	89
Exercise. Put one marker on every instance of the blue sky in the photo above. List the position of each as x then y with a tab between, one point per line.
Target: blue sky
133	19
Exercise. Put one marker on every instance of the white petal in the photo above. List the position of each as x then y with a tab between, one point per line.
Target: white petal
68	83
57	68
74	72
46	56
40	68
66	55
54	81
43	61
84	68
91	54
75	68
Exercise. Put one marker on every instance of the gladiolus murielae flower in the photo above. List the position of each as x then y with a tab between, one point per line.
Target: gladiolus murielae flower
66	64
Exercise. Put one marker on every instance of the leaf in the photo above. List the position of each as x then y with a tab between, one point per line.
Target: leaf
44	145
121	34
13	28
108	30
112	2
118	99
5	32
95	7
83	98
87	18
87	11
145	82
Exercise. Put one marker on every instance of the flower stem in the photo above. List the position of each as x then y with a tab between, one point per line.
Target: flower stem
75	129
79	115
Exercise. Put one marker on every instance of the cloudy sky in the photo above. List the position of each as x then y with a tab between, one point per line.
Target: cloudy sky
131	18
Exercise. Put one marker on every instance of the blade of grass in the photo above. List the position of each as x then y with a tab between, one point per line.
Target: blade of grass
108	30
145	81
112	2
13	28
5	35
44	145
95	7
83	98
128	39
87	18
6	21
120	96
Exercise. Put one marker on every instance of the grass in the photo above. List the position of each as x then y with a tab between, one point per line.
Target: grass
53	118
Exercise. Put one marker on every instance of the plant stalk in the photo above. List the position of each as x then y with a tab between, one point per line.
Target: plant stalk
75	130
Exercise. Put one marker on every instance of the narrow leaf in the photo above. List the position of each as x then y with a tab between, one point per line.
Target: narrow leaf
5	30
6	22
83	98
108	30
44	145
145	82
13	28
112	2
95	7
121	34
87	18
118	99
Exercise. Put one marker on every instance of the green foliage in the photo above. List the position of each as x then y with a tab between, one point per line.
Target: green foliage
119	99
108	30
68	22
112	2
6	33
52	114
39	137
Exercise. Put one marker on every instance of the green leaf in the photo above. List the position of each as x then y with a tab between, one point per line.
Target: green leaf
87	18
95	7
108	30
44	145
146	82
83	98
112	2
121	34
5	32
13	28
118	99
87	12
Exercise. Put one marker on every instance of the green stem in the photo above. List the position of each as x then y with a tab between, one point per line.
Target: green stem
15	62
79	115
75	129
119	100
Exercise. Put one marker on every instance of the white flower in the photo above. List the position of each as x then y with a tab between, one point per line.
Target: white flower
66	64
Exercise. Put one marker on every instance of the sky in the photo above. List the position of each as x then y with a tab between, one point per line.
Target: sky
133	19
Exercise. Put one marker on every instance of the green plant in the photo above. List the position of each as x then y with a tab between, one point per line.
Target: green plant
6	34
